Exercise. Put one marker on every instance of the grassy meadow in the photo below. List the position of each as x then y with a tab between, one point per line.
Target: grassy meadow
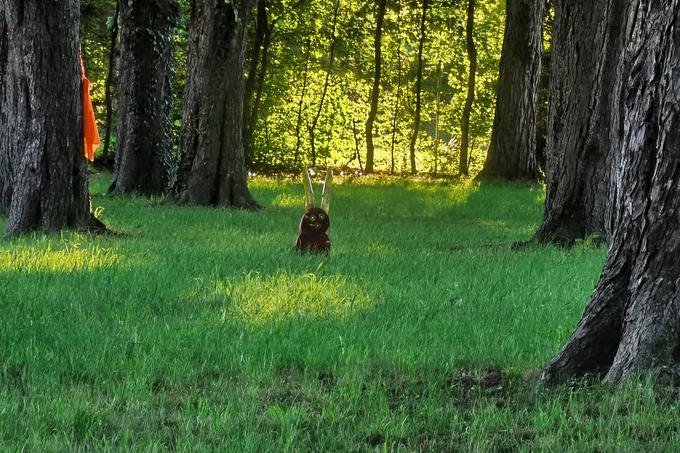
202	330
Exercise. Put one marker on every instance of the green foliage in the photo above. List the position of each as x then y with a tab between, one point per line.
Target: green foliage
95	29
202	329
294	23
351	80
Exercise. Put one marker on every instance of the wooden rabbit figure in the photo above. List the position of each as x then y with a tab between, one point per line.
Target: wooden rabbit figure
314	224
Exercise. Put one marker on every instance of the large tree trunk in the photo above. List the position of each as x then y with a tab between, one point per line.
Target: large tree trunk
512	152
470	99
632	323
419	88
6	161
144	96
583	129
375	92
212	161
41	127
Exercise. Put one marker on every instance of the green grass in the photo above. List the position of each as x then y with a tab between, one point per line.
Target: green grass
201	329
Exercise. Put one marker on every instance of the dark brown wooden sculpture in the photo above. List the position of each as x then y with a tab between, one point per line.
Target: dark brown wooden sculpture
313	237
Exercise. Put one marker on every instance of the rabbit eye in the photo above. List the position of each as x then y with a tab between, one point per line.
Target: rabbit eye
312	218
321	216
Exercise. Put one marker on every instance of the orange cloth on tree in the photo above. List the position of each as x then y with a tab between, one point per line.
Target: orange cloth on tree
90	133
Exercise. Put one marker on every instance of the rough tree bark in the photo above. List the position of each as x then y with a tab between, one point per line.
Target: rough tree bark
41	128
584	124
6	161
212	167
144	96
419	84
106	151
512	152
470	99
632	322
375	92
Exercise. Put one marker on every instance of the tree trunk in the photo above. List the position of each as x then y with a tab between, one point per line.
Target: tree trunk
436	119
375	92
212	161
41	126
357	154
544	88
632	322
144	96
105	156
512	152
262	74
584	123
399	82
261	30
472	77
301	104
395	121
6	160
419	85
331	60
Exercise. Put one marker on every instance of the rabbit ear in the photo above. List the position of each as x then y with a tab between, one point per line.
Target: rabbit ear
327	185
309	191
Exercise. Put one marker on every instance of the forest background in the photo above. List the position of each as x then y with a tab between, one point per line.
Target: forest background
309	81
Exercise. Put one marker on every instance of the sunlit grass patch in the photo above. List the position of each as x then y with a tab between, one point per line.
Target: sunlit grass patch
287	201
259	298
67	258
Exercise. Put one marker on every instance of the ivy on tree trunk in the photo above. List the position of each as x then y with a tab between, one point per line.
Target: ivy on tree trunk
145	97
